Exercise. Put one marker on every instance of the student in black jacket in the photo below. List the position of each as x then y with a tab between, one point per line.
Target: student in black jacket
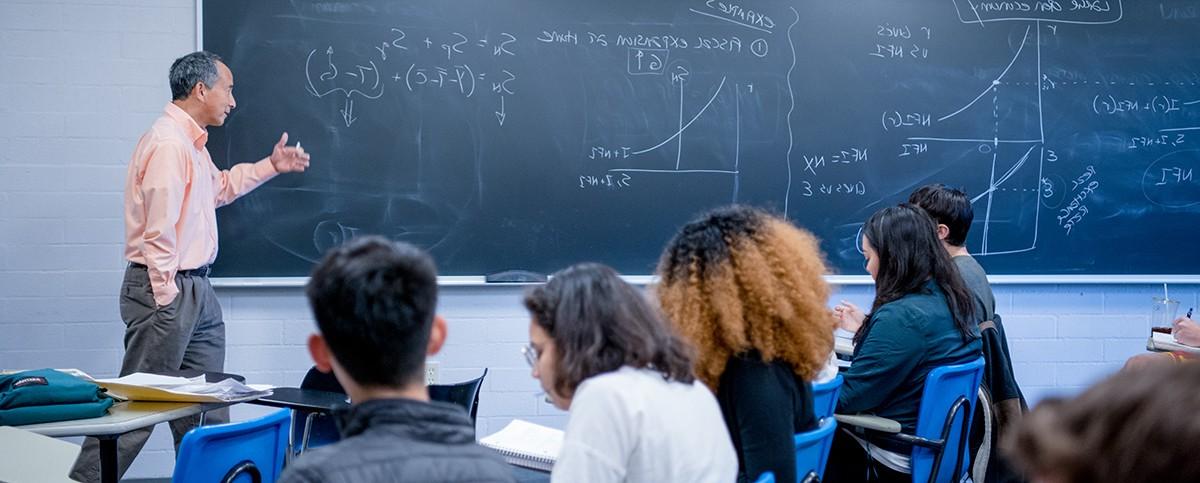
374	304
746	288
923	316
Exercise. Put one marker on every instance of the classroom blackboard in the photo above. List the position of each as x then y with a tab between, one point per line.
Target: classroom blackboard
532	134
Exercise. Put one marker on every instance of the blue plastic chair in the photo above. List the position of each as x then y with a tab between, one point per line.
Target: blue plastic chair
812	449
767	477
244	451
825	396
944	421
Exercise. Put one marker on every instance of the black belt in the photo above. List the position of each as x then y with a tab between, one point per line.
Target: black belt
195	272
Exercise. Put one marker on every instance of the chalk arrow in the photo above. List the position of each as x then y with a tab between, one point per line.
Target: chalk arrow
348	112
333	71
500	115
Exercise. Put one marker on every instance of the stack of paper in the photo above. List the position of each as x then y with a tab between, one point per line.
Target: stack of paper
152	387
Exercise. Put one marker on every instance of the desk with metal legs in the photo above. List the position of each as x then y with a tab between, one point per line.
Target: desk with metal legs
310	402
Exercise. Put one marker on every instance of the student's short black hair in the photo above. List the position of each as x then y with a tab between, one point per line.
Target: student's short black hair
374	303
947	206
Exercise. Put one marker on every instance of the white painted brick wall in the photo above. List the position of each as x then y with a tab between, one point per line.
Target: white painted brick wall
79	82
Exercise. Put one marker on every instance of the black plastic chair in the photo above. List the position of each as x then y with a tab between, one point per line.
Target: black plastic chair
465	394
317	428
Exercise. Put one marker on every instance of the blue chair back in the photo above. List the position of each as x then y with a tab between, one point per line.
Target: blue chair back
825	397
947	404
767	477
247	451
812	448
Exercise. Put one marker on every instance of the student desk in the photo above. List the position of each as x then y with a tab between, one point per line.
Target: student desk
122	418
308	401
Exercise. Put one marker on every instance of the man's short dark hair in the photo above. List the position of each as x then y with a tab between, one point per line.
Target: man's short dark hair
947	206
374	303
195	67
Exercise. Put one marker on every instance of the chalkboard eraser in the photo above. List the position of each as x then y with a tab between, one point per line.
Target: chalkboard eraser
515	276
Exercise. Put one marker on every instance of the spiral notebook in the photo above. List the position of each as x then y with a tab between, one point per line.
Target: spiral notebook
526	444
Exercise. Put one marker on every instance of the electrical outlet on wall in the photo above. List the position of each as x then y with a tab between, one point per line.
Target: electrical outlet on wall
431	372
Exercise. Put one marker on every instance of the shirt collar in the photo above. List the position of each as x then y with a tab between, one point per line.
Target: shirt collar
197	134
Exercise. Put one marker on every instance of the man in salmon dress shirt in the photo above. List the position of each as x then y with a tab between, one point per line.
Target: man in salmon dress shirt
172	317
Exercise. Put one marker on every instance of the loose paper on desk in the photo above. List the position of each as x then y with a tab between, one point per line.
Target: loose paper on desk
523	443
140	386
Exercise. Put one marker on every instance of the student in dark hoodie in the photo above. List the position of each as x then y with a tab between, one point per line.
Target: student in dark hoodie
374	302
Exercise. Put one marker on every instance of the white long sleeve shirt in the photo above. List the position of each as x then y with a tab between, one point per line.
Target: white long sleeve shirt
631	425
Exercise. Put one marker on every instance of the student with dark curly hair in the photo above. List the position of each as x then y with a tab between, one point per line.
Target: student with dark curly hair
603	352
747	289
923	317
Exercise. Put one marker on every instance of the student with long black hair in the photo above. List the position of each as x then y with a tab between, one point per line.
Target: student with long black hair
923	317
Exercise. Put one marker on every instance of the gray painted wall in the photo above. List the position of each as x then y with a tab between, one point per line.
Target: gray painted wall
81	80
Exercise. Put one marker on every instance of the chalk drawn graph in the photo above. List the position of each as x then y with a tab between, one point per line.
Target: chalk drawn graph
1014	158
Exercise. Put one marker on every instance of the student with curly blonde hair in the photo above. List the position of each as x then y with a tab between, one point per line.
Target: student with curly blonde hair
747	289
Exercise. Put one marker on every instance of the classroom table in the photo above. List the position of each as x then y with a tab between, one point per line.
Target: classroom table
122	418
127	416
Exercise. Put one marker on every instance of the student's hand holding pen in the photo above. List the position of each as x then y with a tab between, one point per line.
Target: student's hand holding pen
1186	331
849	316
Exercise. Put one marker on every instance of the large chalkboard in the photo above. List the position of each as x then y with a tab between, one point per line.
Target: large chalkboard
531	134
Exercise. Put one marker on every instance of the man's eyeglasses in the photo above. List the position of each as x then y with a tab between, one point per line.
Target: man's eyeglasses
530	353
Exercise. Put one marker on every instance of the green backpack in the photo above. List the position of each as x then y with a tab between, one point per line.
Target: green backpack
46	395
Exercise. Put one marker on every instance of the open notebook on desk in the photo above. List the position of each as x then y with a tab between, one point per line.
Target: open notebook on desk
526	444
1161	342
